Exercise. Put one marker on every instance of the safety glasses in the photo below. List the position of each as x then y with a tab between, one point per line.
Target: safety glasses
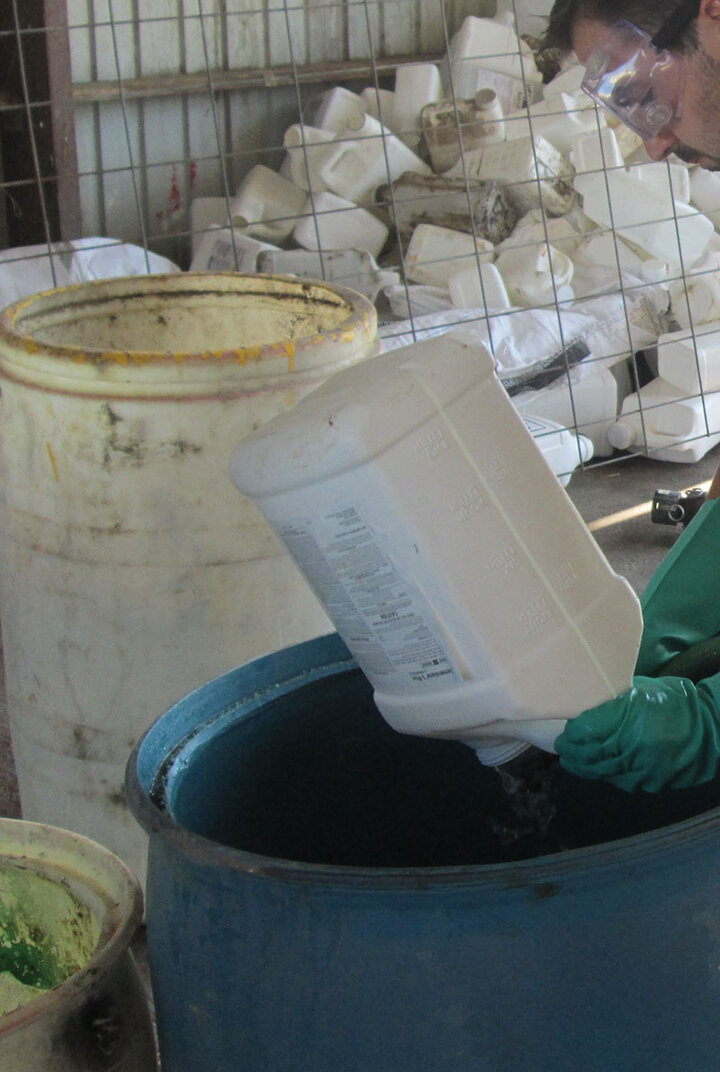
635	77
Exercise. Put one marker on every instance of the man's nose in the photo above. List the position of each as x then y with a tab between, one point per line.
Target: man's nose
660	147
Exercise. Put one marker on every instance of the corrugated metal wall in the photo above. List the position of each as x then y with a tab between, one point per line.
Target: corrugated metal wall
117	117
176	99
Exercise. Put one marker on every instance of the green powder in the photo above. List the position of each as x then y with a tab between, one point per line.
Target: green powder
46	934
13	993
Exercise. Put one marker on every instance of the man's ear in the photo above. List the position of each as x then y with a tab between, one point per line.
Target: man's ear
708	25
709	10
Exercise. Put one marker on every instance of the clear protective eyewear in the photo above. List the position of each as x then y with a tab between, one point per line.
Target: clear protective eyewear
637	81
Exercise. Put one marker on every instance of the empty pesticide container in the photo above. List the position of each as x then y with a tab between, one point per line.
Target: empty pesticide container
416	85
333	222
480	286
364	157
489	45
590	402
434	254
691	360
695	292
449	124
705	193
451	561
305	149
327	894
535	173
347	267
225	249
336	106
560	121
267	205
661	420
671	180
563	449
595	150
645	215
127	577
535	275
481	208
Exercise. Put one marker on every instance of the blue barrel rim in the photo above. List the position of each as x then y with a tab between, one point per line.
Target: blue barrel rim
310	661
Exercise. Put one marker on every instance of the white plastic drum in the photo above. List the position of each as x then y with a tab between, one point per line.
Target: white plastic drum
131	570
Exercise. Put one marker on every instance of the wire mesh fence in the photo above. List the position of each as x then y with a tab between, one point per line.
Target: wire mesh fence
430	154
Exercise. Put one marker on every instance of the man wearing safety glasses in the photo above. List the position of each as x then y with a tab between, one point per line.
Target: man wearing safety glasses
655	65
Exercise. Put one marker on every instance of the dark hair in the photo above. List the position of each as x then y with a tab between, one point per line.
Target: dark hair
649	15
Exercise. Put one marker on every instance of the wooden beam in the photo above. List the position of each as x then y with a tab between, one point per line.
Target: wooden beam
240	80
63	118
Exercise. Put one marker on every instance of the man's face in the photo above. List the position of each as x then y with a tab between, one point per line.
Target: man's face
695	135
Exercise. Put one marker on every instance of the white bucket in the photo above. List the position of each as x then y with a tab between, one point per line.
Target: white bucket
130	574
454	565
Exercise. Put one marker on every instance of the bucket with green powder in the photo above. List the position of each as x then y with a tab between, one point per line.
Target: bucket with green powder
71	997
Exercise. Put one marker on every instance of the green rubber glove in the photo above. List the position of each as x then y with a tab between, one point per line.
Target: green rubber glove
664	732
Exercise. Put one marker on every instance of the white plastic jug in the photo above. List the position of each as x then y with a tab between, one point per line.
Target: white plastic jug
691	360
491	45
535	275
595	150
671	180
306	148
478	287
446	124
645	215
559	121
705	193
336	106
416	84
266	204
589	403
695	293
349	267
562	449
448	556
224	249
332	222
661	420
435	253
365	156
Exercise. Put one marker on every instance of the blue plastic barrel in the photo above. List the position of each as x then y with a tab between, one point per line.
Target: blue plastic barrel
326	895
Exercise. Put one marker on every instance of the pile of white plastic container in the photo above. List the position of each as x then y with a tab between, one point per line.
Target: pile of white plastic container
473	190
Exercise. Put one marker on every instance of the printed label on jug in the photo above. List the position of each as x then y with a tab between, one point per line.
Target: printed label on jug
381	616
